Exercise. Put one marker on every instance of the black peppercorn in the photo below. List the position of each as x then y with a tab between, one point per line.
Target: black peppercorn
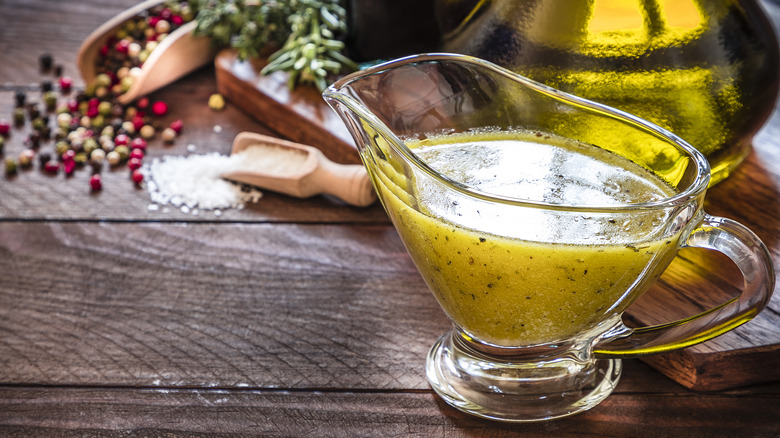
32	111
58	70
46	86
46	61
34	139
43	158
21	97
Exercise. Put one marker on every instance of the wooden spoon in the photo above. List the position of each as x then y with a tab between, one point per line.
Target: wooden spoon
177	55
316	175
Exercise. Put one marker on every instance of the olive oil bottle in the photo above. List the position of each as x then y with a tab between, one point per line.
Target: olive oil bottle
707	70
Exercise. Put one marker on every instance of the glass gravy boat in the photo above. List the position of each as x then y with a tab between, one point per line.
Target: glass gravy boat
536	218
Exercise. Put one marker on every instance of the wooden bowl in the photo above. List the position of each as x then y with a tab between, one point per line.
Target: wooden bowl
177	55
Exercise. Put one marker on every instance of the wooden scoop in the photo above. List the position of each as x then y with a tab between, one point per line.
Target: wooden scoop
177	55
316	175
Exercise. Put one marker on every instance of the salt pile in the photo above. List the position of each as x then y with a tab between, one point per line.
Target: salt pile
194	182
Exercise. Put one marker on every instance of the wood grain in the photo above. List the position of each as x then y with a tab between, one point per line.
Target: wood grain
33	412
288	318
293	306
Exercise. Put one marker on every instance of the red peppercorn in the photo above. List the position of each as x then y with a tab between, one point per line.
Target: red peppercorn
159	108
142	103
121	46
134	163
68	156
137	176
5	127
52	166
95	183
121	139
73	105
138	122
177	126
104	50
65	84
69	167
92	112
136	153
138	143
177	20
94	102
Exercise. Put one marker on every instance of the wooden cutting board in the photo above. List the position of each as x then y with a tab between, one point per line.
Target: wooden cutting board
696	280
300	115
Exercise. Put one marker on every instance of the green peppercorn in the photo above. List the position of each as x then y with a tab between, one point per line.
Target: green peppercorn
104	108
80	158
38	124
50	100
19	116
61	146
10	166
103	80
90	145
2	143
98	122
123	151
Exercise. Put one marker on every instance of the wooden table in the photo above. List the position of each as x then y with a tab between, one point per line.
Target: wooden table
288	318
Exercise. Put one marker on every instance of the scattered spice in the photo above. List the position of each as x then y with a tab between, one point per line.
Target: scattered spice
216	102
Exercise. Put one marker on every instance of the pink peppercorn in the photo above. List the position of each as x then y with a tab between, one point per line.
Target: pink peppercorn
121	46
95	183
92	112
138	122
104	50
73	105
136	153
137	176
134	163
159	108
142	103
52	166
177	126
69	167
121	139
5	127
94	102
65	84
68	156
138	143
153	21
177	20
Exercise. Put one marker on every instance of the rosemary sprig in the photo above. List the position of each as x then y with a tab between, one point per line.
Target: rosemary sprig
306	30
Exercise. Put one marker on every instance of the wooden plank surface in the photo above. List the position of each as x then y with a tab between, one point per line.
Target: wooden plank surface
217	412
288	318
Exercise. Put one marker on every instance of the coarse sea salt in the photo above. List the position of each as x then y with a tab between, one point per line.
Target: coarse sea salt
194	182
